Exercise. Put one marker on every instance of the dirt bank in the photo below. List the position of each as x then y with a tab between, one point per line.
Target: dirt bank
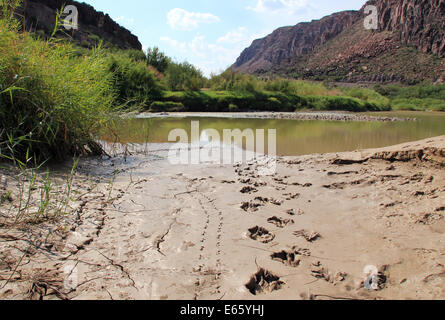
302	116
317	229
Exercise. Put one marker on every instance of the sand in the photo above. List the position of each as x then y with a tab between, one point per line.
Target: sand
317	229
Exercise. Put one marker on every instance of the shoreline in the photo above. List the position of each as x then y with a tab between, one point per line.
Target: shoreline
343	116
149	230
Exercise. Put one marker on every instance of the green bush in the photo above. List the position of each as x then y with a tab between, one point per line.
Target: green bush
157	59
420	91
272	101
135	84
335	103
416	104
233	107
244	101
136	55
418	97
95	38
373	99
183	77
279	85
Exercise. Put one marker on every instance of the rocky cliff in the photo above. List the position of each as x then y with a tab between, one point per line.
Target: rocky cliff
408	46
419	23
40	16
288	42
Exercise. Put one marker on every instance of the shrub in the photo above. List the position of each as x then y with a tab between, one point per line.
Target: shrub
183	77
134	82
95	38
136	55
233	107
418	97
157	59
420	91
416	104
335	103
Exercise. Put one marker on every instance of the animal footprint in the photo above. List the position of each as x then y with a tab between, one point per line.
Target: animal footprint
304	185
269	200
292	196
228	181
248	190
288	258
250	206
295	212
279	222
319	272
301	252
261	234
309	236
264	281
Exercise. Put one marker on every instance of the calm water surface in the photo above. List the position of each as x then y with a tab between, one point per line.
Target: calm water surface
298	137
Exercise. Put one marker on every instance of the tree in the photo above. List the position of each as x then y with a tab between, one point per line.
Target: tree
136	55
157	59
184	76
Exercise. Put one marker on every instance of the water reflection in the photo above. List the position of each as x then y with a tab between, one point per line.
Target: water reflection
293	137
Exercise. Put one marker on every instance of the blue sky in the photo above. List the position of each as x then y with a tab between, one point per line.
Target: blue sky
212	33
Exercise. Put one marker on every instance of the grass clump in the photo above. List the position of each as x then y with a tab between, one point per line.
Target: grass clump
51	100
416	104
420	97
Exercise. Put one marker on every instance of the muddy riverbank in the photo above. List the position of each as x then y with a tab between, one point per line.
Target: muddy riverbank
317	229
303	116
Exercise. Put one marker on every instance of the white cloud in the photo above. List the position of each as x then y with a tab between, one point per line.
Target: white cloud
198	47
234	36
174	43
209	57
212	57
124	20
180	19
274	6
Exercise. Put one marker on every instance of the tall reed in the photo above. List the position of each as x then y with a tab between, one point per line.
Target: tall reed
51	100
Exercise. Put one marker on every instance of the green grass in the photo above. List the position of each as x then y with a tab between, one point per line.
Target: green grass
415	104
420	97
223	101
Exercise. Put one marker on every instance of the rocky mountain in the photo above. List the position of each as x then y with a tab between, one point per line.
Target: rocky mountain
417	23
288	42
40	16
408	46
